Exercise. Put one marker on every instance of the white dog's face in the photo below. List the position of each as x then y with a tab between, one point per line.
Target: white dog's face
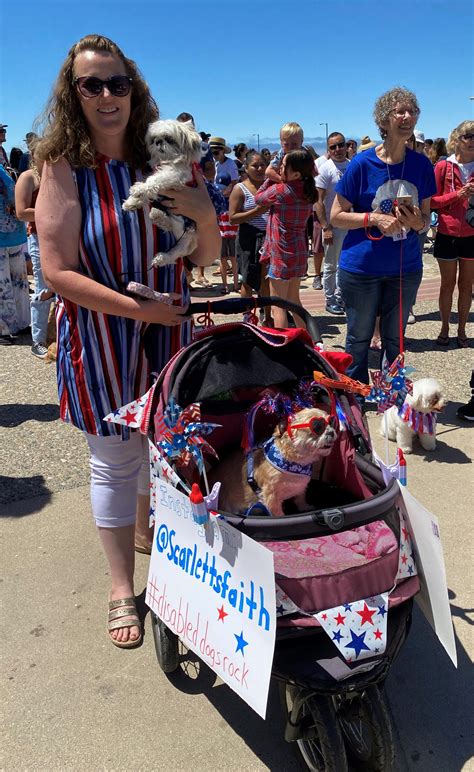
311	431
173	142
428	395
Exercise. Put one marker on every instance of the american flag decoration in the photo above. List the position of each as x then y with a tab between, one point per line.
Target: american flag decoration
134	415
386	205
358	629
180	433
391	385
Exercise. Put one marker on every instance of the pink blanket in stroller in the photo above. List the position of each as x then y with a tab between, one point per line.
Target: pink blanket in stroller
326	571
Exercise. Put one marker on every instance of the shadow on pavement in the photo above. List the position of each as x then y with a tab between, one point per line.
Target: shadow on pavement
16	414
264	738
432	701
20	496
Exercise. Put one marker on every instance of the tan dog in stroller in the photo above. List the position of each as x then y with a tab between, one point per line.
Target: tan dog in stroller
282	467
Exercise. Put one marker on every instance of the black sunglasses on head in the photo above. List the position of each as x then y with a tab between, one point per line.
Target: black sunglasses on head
337	146
89	86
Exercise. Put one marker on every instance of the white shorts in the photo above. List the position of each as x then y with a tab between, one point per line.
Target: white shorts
120	470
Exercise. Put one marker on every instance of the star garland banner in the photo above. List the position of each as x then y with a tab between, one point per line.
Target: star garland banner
180	433
134	415
358	629
406	553
391	385
284	604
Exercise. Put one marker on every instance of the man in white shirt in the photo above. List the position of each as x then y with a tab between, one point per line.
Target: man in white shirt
329	175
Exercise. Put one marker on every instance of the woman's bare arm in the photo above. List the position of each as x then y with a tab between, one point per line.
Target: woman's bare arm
24	190
342	217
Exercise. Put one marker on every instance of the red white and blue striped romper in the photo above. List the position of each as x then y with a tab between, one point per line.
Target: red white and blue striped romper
101	361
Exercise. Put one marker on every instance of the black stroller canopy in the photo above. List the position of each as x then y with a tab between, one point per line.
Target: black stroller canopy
240	358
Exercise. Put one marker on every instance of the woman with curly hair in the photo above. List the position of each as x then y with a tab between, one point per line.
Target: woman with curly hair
454	243
93	151
382	248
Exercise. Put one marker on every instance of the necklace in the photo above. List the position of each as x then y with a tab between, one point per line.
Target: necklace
388	168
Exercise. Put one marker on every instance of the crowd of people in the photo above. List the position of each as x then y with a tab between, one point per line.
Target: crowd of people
362	212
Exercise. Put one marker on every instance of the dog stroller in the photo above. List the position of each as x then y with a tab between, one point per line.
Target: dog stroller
347	547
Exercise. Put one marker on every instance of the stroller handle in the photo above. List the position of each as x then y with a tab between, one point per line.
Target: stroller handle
240	305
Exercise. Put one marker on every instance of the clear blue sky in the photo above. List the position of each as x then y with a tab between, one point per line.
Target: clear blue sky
247	67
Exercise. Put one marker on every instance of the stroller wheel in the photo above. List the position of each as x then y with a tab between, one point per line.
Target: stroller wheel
367	729
313	726
166	645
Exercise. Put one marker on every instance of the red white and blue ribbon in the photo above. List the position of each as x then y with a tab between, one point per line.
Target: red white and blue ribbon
422	423
180	433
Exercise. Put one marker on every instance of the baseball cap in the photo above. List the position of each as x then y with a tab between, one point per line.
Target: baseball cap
3	126
419	136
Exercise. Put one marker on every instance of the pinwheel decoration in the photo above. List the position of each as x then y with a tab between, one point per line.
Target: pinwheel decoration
391	385
180	433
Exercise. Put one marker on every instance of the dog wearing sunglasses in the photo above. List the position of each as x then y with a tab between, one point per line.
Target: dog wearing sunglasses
282	468
173	147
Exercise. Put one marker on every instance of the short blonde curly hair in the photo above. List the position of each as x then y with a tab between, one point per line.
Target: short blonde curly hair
386	103
466	127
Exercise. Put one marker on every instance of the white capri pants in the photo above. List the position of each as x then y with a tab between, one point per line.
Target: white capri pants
120	470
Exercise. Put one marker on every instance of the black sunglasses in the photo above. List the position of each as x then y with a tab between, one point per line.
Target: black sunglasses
467	136
118	85
217	150
337	146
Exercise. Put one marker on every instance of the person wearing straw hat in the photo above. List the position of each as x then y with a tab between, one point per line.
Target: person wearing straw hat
365	144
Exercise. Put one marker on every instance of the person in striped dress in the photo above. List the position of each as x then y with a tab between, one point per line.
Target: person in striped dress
94	150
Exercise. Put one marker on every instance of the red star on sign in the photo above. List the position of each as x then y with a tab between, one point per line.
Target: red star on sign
378	634
404	559
339	619
405	533
324	616
222	614
366	615
129	417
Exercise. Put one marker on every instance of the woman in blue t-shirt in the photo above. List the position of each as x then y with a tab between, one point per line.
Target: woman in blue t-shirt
383	200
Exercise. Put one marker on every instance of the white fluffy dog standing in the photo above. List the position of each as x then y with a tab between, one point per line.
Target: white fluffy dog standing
173	147
416	417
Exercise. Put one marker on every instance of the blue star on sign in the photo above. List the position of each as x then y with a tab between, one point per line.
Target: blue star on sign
382	610
337	636
241	642
347	607
357	643
280	609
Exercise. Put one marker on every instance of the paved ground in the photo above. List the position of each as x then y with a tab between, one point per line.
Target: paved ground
73	701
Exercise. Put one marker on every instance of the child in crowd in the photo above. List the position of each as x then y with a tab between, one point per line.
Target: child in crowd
252	221
291	138
285	247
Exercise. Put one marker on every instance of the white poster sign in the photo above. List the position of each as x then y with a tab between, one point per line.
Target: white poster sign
215	588
433	596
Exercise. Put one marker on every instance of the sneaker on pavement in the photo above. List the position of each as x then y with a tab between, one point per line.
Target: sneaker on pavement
38	350
5	340
466	411
334	309
317	282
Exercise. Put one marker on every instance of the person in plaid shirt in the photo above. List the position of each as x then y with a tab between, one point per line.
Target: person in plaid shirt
285	247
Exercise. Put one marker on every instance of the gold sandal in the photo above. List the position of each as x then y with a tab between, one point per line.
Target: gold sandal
123	613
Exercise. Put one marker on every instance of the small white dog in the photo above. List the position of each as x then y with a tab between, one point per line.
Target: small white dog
417	416
173	147
281	469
